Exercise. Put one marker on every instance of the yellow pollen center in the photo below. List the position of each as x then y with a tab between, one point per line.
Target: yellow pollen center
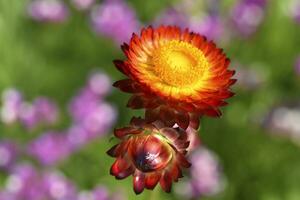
179	64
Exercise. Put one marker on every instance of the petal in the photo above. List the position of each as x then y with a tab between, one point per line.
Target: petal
121	132
151	180
138	182
119	166
166	181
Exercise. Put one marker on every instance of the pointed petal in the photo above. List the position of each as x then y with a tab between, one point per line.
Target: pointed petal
119	166
182	161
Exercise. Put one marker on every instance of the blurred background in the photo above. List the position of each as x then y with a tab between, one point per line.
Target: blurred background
58	109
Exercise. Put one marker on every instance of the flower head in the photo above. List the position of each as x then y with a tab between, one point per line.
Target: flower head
176	75
151	153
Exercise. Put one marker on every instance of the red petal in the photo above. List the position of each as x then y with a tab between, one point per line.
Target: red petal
119	166
182	161
126	85
121	66
151	180
121	132
166	182
138	182
113	151
125	173
170	133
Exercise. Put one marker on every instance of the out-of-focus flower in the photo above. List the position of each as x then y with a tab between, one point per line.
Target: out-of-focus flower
176	75
206	178
284	120
247	15
45	110
92	117
48	10
11	103
83	4
173	17
114	19
8	154
50	148
57	187
297	66
151	153
24	183
293	10
211	26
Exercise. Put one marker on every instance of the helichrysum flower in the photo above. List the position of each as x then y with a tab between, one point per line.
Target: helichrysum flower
176	75
151	153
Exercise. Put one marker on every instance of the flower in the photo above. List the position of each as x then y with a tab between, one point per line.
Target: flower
50	148
205	175
83	4
247	15
176	75
48	10
151	153
114	19
11	103
8	154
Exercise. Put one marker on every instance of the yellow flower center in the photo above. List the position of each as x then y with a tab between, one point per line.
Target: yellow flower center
179	64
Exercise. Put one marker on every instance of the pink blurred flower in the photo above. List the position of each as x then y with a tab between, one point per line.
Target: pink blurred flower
114	19
297	66
48	10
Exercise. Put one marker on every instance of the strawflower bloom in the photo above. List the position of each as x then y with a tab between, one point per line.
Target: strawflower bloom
151	153
176	75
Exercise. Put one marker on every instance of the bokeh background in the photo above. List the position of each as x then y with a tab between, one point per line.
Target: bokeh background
58	108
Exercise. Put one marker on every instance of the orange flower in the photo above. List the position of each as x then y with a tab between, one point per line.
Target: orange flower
151	153
176	75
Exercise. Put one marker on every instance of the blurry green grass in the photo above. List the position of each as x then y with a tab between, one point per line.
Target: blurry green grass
54	60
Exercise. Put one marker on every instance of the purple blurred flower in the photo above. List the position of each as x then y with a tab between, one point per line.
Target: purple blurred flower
45	110
11	103
57	187
206	178
210	25
249	78
89	112
114	19
48	10
41	111
83	4
8	154
99	84
247	15
24	183
297	66
172	16
50	148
